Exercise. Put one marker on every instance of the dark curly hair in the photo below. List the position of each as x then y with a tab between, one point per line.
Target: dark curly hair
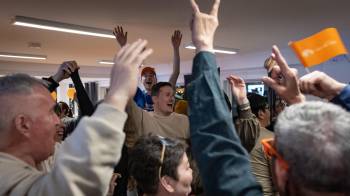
257	103
144	161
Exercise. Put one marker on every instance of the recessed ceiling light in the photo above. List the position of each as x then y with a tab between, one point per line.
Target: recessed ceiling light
106	62
217	49
62	27
22	56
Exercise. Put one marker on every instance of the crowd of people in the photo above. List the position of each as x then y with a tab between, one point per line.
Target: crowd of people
133	143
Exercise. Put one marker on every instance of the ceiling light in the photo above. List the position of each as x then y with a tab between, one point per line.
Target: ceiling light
22	56
106	62
217	49
62	27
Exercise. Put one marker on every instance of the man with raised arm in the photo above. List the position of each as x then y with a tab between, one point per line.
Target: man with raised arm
85	161
222	161
148	74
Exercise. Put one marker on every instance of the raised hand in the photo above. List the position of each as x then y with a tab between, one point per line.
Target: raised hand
121	37
203	27
321	85
176	39
238	88
123	81
284	79
65	70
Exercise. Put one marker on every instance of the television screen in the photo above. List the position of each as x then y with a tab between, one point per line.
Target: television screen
257	88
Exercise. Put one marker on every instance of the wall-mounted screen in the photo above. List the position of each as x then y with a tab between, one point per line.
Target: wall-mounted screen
257	88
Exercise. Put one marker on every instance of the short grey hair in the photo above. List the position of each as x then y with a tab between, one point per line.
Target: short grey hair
314	139
16	84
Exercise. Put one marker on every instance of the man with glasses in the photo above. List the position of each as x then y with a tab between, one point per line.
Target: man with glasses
310	150
251	136
160	166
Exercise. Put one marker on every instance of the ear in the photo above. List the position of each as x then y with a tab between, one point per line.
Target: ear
281	176
155	99
261	114
23	124
167	184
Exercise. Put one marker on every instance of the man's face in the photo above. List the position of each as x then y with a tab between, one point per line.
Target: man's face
148	80
44	124
184	172
264	116
164	102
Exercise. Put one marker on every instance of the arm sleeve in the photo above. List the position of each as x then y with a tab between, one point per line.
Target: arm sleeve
134	124
50	84
343	99
248	128
85	105
222	161
85	161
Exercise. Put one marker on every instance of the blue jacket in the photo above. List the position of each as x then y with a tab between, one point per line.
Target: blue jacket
222	161
343	99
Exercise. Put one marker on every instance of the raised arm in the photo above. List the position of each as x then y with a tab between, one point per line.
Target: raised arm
85	162
222	161
64	71
176	41
120	36
247	125
284	80
85	105
321	85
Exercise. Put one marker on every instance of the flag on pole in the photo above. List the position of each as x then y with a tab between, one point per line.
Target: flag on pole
319	47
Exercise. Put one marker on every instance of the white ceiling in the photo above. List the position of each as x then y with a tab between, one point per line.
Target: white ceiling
251	26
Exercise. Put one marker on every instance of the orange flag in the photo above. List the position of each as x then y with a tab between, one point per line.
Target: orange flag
319	47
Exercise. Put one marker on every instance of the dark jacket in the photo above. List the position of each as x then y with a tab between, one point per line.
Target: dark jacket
222	161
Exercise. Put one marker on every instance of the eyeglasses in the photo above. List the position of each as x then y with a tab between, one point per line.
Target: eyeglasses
270	151
165	142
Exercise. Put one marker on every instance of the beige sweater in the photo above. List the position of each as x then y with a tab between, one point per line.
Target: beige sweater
141	122
83	165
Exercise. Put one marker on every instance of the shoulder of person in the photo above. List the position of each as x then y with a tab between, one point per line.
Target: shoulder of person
265	133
